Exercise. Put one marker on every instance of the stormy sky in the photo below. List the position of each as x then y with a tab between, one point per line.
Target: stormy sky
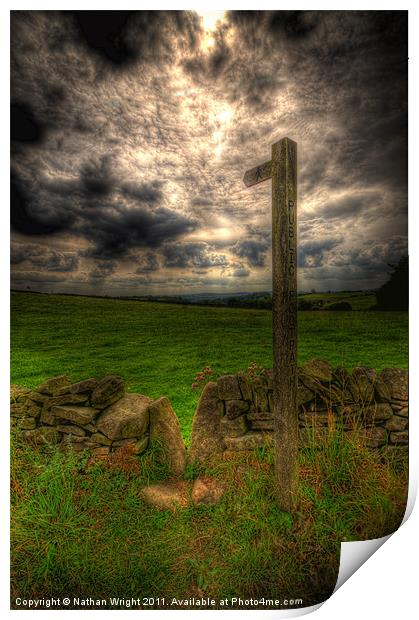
131	132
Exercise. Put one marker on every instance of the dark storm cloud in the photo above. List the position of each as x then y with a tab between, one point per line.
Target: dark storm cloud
312	253
253	251
378	257
91	207
239	271
147	263
24	127
103	269
25	277
192	255
28	216
144	192
115	230
343	207
122	38
105	32
132	130
43	258
201	202
96	177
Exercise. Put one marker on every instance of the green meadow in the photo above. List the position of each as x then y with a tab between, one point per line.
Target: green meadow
82	530
158	348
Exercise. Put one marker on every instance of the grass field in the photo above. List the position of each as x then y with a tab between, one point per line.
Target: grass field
358	299
158	348
79	531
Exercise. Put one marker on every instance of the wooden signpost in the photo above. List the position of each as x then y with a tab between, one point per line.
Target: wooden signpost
283	172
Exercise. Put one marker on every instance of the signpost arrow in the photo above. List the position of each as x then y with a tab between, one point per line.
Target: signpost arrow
282	169
258	174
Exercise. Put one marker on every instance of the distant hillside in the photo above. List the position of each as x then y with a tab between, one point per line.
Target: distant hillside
262	300
346	300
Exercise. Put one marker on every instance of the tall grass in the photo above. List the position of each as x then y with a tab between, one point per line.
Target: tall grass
83	530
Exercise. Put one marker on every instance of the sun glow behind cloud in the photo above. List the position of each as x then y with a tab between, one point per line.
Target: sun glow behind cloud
141	162
210	20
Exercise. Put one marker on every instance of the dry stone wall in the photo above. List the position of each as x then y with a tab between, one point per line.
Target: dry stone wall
98	416
235	412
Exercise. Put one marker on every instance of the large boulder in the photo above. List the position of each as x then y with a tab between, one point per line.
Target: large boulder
207	437
164	427
207	491
126	418
166	495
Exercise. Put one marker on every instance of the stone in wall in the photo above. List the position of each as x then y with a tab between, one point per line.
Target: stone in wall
399	438
107	391
249	441
372	406
51	386
164	427
97	416
81	387
228	388
235	427
260	394
75	414
18	393
397	381
235	408
43	435
396	423
318	370
207	438
362	384
125	419
373	437
261	421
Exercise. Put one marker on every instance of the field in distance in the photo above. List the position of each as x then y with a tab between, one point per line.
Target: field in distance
357	300
158	348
